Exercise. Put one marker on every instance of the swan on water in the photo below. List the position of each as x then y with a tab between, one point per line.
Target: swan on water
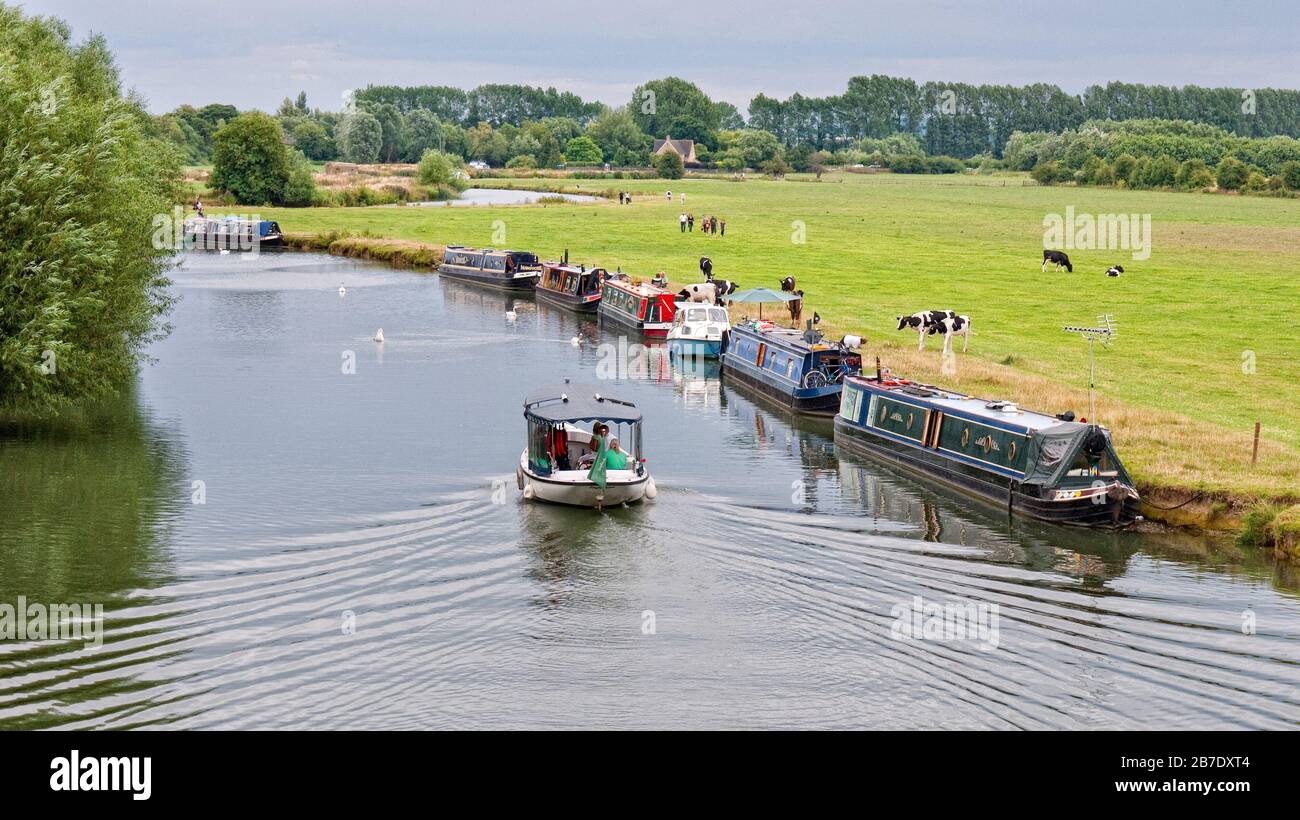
510	315
342	290
576	341
379	335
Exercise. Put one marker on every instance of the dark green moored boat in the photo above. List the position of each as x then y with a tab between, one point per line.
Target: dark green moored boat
1034	464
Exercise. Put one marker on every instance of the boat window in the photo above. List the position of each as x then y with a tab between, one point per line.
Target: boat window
850	403
1084	467
718	314
697	315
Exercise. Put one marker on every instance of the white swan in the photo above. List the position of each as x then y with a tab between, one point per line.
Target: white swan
576	341
342	290
379	335
511	315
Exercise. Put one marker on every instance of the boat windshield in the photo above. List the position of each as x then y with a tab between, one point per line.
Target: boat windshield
697	315
717	315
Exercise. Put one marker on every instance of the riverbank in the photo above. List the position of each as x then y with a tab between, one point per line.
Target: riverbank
1182	388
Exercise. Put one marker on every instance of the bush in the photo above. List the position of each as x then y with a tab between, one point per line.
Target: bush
1162	172
669	165
300	187
1123	168
1231	174
83	254
1256	525
250	160
775	167
522	161
1050	173
1290	175
1193	175
1255	183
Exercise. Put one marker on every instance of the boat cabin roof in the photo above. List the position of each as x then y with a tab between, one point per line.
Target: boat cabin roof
571	268
1005	413
783	336
642	289
578	402
527	255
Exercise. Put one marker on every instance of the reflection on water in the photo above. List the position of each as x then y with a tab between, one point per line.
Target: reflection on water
362	558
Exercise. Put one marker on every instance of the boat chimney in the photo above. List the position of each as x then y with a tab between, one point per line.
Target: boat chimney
879	378
566	256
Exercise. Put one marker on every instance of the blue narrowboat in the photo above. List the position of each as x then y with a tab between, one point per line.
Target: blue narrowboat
1046	467
504	270
797	369
575	287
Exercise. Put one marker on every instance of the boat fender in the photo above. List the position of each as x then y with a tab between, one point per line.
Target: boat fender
650	489
528	492
519	477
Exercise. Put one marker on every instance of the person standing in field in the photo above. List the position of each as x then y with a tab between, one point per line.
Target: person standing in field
690	222
682	219
723	227
669	195
683	197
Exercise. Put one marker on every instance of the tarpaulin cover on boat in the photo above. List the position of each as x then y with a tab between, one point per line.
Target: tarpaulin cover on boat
579	402
1053	451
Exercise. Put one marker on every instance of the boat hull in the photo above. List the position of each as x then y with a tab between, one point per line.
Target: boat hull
655	330
810	401
995	490
570	487
497	280
695	348
567	301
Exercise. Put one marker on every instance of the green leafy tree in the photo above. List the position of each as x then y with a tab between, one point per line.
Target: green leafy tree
310	137
620	139
362	137
757	146
583	151
522	161
1124	166
421	133
672	106
440	168
250	160
88	233
669	165
775	167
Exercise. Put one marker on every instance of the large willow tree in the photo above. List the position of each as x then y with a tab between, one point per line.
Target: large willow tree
82	283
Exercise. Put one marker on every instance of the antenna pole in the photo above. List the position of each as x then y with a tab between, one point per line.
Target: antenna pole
1092	409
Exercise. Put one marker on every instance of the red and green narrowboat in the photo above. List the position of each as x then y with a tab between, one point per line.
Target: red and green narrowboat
644	308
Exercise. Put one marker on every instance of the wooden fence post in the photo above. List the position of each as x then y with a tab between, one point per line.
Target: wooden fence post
1254	453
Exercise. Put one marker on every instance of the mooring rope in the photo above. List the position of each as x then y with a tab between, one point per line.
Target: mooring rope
1176	506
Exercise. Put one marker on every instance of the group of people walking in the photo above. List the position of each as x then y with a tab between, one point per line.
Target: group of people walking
708	225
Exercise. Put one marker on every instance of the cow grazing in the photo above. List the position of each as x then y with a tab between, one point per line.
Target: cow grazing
1057	258
787	285
706	268
1115	270
931	322
795	306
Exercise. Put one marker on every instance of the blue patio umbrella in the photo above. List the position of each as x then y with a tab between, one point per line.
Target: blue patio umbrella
762	295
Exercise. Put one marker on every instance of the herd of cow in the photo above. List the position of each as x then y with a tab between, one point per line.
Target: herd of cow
946	323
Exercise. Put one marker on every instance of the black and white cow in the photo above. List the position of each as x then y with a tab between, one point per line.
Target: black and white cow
1115	270
1057	258
706	268
714	292
931	322
787	285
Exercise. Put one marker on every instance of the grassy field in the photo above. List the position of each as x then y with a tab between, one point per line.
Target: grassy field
1216	295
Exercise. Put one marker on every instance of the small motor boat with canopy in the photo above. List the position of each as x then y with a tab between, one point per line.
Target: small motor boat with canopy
567	462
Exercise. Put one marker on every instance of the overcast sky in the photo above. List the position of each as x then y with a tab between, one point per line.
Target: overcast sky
253	54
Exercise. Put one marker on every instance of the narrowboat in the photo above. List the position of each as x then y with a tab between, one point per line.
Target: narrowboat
796	369
644	308
231	233
555	465
571	286
1041	466
699	331
504	270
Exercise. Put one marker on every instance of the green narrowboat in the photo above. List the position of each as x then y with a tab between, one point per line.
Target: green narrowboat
1041	466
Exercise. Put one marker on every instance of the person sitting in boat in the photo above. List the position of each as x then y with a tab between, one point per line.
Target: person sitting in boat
615	459
598	432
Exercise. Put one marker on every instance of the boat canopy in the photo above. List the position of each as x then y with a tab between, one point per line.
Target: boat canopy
1057	452
579	402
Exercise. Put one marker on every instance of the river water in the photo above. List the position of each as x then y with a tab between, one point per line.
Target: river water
278	543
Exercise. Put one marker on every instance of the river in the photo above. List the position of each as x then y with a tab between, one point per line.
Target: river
279	543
